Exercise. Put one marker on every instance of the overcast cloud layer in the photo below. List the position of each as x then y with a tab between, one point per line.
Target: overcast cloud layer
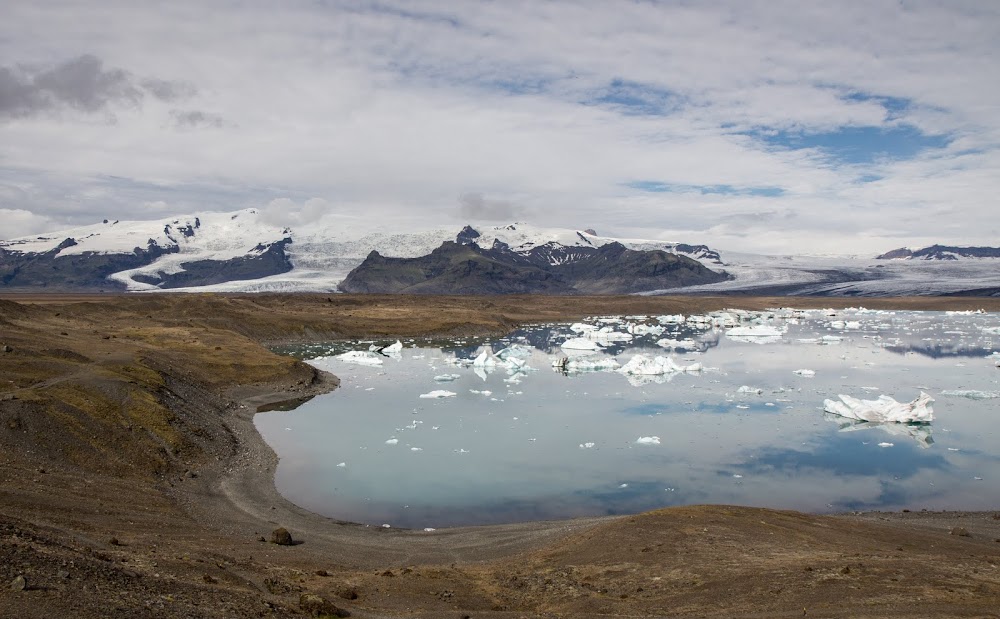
778	127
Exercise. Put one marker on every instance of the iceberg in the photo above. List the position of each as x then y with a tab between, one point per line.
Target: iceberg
445	378
747	389
643	365
580	343
649	440
883	410
391	348
584	364
806	373
438	393
755	334
484	360
670	343
363	357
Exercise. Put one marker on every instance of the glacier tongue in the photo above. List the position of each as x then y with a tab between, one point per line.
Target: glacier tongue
883	410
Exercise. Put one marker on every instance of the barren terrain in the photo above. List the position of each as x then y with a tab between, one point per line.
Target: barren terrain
134	484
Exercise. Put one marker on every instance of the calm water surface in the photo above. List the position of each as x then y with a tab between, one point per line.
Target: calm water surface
540	443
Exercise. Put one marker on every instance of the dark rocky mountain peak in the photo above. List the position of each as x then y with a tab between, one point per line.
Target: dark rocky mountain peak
940	252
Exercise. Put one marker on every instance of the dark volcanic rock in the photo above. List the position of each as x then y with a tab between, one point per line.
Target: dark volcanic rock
85	271
281	537
940	252
453	268
318	606
265	260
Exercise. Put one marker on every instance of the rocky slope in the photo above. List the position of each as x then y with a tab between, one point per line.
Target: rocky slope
454	268
940	252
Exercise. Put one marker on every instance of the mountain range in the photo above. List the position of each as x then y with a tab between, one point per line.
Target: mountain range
244	251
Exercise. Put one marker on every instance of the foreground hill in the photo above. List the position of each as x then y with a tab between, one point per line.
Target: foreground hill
135	485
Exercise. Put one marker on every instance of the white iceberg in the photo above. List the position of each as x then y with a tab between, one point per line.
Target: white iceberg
445	378
747	389
439	393
755	334
391	348
392	441
608	334
642	329
362	357
670	319
883	410
806	373
643	365
579	327
587	445
581	344
648	440
571	365
484	360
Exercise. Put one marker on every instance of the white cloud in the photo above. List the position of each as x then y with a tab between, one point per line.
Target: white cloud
392	110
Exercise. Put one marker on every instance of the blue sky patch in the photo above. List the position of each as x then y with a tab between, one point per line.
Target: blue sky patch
635	98
859	145
651	186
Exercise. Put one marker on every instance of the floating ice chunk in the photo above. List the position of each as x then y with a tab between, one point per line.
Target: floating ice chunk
737	476
670	319
342	465
362	357
580	343
747	389
623	485
885	444
587	445
571	365
884	409
429	529
755	334
608	334
831	339
438	393
643	365
483	393
514	351
392	441
445	378
806	373
648	440
393	348
972	394
579	327
645	329
416	448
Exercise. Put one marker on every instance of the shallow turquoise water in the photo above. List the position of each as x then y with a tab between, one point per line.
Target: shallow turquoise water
521	452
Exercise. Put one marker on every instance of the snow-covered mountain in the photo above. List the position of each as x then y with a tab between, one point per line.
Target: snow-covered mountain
940	252
242	252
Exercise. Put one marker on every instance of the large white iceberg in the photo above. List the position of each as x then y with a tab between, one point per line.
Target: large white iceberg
883	410
646	366
755	334
580	343
584	364
391	348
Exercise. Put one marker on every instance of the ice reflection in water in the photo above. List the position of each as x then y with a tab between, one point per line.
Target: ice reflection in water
512	444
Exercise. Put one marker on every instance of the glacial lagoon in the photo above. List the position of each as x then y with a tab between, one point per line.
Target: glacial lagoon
521	434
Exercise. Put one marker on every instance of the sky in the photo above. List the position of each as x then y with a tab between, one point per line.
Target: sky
773	126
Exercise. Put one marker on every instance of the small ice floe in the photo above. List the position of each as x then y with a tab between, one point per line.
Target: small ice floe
483	393
392	441
748	390
587	445
416	448
580	344
648	440
884	444
342	465
884	409
386	526
737	476
579	327
438	393
429	529
643	365
484	360
670	319
831	339
642	329
571	365
755	334
393	348
623	485
446	378
461	451
806	373
608	334
362	357
972	394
